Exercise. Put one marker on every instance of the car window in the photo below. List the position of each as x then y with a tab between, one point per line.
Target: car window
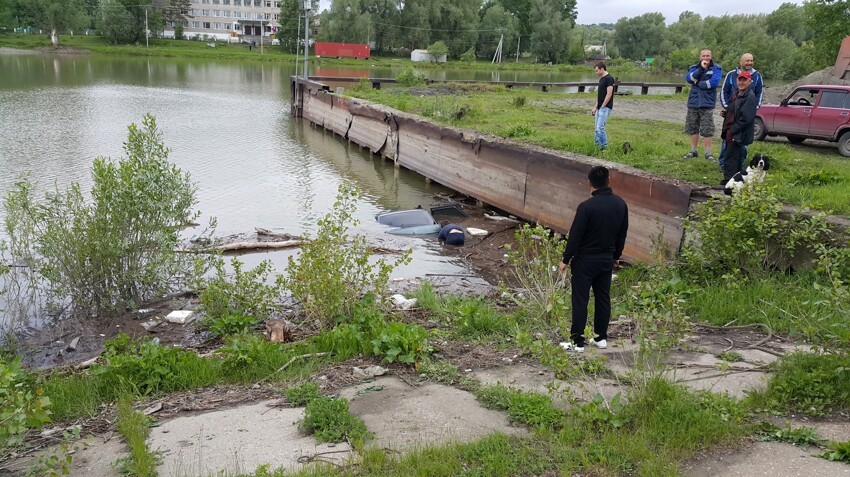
832	99
803	97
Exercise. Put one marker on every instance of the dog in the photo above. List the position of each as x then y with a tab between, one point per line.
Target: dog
755	173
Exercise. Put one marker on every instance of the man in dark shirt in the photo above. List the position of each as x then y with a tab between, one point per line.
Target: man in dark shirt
450	234
604	103
596	241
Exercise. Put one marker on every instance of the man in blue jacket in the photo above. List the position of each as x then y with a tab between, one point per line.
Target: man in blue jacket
730	87
704	77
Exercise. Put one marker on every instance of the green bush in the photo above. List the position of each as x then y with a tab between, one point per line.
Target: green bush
329	420
438	49
402	343
468	56
120	249
334	269
23	404
231	324
409	77
247	293
244	352
530	408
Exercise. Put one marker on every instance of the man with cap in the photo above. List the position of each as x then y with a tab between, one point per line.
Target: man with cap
728	90
738	124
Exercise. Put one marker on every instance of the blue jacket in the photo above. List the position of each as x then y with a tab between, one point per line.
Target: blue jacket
704	84
730	85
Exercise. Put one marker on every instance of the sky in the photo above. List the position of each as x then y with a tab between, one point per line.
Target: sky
609	11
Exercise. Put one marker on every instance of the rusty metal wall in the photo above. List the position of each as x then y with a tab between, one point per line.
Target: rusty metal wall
536	184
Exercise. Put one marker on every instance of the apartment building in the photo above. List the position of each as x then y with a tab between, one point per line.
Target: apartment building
230	20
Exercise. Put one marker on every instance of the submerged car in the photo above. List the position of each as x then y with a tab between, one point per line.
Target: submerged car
810	112
409	222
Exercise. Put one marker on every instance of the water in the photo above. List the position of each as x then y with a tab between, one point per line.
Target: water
228	125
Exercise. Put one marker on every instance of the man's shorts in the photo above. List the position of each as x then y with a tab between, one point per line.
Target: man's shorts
700	121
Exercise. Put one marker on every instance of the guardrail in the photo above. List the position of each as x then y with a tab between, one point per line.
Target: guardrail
543	85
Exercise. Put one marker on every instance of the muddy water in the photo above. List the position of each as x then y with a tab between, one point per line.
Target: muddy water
228	125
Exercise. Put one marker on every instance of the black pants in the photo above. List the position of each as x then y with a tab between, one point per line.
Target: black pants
734	157
590	273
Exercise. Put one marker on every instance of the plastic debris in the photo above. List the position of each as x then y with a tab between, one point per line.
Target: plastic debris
181	317
474	231
400	301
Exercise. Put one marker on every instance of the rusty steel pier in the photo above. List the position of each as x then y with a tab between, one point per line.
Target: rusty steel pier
536	184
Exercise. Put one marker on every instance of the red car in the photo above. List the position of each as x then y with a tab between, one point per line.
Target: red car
810	112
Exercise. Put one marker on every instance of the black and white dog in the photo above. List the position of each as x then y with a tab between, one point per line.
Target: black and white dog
755	173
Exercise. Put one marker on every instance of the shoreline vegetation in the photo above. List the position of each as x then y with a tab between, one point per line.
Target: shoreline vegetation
733	277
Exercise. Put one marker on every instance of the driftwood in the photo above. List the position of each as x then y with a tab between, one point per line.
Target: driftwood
269	233
235	246
280	331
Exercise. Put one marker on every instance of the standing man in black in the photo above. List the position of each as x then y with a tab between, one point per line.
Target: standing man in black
596	241
604	104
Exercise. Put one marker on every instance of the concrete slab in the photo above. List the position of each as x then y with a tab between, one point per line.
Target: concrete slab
532	378
404	417
236	440
767	459
93	456
736	383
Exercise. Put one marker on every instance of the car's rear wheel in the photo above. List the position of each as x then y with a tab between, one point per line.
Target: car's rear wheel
795	139
758	130
844	144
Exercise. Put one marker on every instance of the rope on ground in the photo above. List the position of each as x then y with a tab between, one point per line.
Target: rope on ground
294	358
756	345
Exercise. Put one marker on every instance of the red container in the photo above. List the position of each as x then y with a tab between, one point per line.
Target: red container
341	50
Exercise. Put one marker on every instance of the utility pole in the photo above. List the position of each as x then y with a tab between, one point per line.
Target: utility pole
262	33
518	38
147	30
307	7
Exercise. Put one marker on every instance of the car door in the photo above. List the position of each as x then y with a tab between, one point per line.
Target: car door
828	114
794	115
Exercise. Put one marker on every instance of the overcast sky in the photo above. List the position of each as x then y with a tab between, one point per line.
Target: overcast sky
609	11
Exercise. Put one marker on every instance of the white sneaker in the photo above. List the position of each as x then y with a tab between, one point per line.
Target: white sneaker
601	344
569	347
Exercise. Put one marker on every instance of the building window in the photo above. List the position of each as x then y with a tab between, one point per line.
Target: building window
205	13
216	2
277	4
277	17
226	13
237	14
228	26
225	2
196	25
258	3
268	3
216	26
205	1
216	13
207	25
238	3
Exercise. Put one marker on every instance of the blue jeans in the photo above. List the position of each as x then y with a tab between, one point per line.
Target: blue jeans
601	118
722	158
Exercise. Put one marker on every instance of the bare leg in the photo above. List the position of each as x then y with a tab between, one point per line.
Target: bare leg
694	141
706	142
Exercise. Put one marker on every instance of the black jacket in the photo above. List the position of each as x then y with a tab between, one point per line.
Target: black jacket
599	227
744	108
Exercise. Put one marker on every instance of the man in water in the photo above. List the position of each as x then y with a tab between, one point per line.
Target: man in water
450	234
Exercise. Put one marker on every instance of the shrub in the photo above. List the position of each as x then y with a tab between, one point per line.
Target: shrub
335	269
409	77
468	56
329	420
519	101
247	293
249	353
534	264
120	249
438	49
231	324
23	404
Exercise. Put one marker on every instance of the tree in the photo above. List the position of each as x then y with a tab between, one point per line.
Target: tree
437	50
61	16
495	23
415	24
346	22
455	22
384	15
550	37
115	23
641	36
829	21
785	20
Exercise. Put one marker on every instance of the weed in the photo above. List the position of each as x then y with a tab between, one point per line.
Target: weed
519	101
818	178
402	343
302	395
247	352
57	461
837	451
329	420
599	412
730	356
23	404
801	436
333	270
533	409
146	367
519	130
231	324
135	428
660	318
810	383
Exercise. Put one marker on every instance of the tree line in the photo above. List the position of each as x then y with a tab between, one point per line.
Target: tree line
787	43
